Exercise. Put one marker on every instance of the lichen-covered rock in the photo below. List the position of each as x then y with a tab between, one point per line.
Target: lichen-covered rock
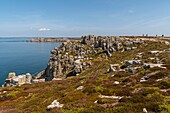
54	104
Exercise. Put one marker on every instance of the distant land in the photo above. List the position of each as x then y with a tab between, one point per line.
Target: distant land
66	39
60	39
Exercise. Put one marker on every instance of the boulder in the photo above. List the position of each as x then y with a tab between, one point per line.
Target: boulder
80	87
116	82
144	110
108	54
127	48
154	52
122	70
128	43
111	69
133	62
138	56
138	42
133	48
54	104
111	97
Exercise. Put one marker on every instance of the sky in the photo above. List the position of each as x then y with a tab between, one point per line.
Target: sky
55	18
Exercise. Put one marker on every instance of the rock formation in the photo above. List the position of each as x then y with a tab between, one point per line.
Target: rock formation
14	80
72	57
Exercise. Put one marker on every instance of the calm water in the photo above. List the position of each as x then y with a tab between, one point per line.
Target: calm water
23	57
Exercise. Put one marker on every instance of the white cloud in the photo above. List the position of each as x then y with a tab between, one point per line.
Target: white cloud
44	29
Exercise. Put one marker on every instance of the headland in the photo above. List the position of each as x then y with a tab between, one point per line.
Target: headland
98	74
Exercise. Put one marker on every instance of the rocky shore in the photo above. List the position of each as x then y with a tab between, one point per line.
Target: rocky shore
75	55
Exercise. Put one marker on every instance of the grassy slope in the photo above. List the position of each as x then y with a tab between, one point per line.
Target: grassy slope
36	97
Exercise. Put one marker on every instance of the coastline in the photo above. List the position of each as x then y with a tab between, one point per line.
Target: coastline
69	43
61	39
23	57
100	67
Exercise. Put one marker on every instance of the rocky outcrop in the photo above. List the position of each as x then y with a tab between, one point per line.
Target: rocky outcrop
19	80
105	42
73	57
70	59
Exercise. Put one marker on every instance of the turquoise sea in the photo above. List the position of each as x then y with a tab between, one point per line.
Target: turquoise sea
23	57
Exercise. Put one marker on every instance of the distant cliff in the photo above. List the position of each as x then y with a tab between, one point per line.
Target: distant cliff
52	39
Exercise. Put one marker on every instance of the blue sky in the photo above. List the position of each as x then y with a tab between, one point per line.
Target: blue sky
81	17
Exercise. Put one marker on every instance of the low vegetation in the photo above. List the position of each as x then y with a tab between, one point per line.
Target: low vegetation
153	94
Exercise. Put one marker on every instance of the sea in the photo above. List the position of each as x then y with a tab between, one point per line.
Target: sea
22	57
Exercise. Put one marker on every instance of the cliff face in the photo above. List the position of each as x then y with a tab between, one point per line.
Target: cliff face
71	58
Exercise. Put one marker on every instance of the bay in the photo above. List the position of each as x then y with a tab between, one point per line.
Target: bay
22	57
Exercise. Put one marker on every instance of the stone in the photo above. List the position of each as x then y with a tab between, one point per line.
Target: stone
142	80
132	70
91	58
111	97
111	69
144	110
122	70
12	75
138	42
127	49
128	63
128	43
38	80
149	65
151	58
112	75
57	79
133	48
96	101
139	53
167	43
116	82
108	54
158	80
133	62
80	87
19	80
154	52
138	56
4	92
54	104
111	49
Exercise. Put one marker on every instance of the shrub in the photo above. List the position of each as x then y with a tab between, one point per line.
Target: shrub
164	84
165	108
89	90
